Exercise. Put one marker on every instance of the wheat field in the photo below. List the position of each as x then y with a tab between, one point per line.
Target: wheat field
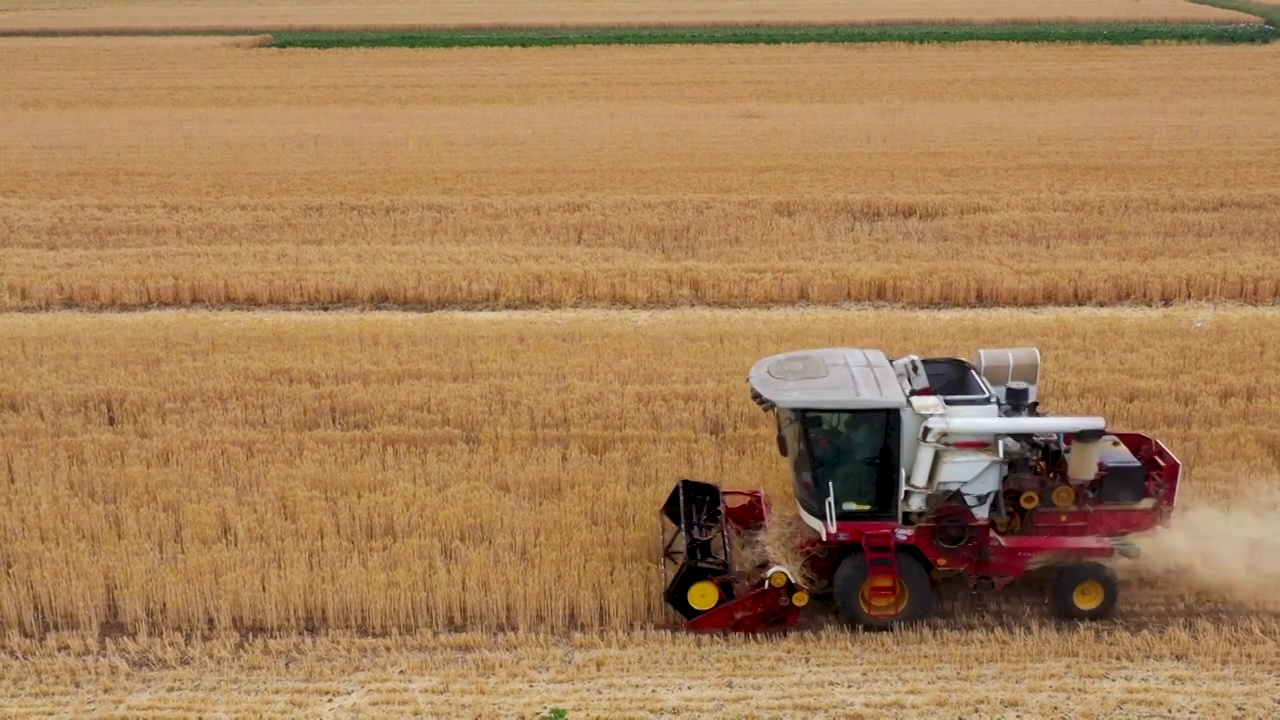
289	512
1180	670
163	175
454	483
169	15
285	472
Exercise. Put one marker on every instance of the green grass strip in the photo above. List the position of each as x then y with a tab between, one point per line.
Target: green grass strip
1091	33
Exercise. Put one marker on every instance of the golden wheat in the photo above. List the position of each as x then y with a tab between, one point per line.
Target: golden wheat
171	475
178	471
636	176
1190	669
135	15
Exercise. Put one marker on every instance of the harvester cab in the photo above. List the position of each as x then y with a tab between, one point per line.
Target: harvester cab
909	470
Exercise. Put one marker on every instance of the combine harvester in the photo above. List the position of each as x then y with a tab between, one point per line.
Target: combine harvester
911	471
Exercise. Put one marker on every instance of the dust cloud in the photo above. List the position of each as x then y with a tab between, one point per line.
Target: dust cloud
1229	551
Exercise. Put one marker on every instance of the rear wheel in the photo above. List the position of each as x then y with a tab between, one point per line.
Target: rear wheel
1085	591
851	590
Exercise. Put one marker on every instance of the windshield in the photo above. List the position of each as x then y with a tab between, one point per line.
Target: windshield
850	454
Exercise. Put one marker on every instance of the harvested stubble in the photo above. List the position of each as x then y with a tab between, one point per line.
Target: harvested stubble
132	15
1191	669
185	471
636	176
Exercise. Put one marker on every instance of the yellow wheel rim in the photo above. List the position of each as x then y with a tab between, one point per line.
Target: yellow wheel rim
800	599
1088	595
703	595
1064	495
877	605
1029	499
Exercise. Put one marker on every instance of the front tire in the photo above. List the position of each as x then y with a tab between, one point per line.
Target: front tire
1085	591
854	606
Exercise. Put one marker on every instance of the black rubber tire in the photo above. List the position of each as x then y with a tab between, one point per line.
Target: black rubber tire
852	573
1069	577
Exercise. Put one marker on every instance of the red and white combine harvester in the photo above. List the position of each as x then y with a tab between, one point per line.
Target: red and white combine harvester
910	471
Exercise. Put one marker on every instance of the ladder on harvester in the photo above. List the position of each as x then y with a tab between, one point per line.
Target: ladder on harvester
879	549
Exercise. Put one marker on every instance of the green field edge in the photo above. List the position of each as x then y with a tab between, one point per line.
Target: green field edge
921	31
1087	33
1105	33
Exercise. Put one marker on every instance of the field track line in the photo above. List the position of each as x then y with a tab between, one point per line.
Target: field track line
603	310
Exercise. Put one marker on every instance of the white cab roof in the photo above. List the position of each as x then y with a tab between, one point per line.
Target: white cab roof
828	379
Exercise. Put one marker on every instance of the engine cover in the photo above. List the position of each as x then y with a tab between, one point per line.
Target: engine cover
1124	477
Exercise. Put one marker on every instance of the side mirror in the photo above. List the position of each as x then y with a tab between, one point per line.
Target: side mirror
782	444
